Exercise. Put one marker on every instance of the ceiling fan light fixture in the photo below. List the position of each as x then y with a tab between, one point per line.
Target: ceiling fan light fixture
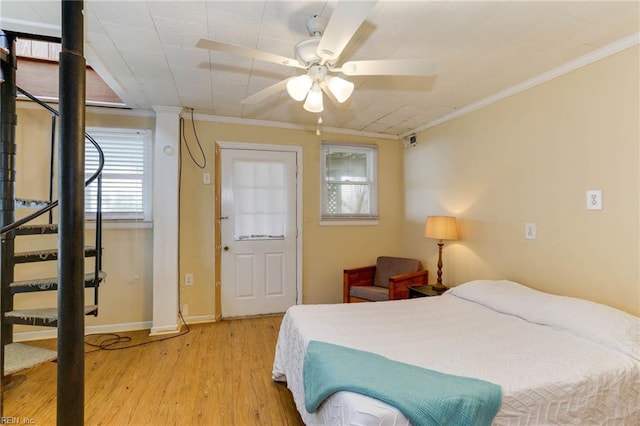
314	100
340	88
298	87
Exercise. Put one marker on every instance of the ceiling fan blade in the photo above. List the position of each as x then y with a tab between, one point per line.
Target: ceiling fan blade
248	52
343	24
266	92
417	67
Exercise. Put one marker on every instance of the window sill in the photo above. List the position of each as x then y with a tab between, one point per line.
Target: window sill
120	224
349	222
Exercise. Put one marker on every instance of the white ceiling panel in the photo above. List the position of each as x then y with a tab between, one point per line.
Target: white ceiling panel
481	47
133	38
180	33
191	58
20	10
125	13
193	12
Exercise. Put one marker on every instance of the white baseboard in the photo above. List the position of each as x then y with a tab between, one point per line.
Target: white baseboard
94	329
26	336
200	319
166	329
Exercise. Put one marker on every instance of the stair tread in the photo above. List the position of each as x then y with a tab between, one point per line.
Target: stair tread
50	281
47	255
43	313
47	251
28	203
18	356
49	228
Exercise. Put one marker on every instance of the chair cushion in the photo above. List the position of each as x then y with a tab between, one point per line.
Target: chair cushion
387	267
370	292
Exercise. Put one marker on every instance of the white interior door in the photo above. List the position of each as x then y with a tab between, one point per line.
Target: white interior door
258	229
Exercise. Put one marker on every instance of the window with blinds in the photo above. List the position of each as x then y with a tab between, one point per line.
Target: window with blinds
126	177
349	188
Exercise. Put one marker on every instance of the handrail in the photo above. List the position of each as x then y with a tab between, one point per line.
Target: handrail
52	155
53	204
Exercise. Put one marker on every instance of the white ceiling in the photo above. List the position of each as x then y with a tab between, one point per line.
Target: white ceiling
146	51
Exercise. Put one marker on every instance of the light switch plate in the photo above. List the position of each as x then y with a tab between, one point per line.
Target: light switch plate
594	199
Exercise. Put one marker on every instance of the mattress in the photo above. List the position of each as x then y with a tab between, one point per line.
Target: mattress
549	374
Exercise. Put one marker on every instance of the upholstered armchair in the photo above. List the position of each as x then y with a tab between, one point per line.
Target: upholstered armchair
388	279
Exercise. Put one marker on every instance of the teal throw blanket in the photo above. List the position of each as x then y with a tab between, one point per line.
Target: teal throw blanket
425	397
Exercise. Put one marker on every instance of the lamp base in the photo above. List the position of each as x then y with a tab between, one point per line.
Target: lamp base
439	288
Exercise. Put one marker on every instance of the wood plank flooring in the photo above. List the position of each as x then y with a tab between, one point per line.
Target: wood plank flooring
217	374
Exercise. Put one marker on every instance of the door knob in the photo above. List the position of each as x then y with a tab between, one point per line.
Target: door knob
225	248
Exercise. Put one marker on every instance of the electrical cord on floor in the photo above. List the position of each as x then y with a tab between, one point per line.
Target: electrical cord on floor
110	341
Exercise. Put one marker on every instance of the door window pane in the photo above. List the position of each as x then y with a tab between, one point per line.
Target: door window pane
260	200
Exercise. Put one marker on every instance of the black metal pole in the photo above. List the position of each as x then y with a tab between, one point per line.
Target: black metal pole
70	408
8	122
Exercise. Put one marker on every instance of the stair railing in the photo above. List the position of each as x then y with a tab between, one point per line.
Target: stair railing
52	157
97	175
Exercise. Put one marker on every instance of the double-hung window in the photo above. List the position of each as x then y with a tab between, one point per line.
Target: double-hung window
349	188
126	177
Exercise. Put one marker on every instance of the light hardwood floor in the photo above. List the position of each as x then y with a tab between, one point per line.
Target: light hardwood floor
217	374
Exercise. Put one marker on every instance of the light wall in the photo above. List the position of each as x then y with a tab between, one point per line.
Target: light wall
327	250
531	158
126	295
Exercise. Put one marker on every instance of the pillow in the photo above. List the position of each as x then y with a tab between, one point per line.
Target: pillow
600	323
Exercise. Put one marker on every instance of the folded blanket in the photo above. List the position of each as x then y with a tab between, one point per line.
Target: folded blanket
425	397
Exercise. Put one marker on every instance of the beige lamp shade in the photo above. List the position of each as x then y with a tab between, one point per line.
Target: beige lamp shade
441	228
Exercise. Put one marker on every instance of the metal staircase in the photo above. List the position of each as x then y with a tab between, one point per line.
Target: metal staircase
14	356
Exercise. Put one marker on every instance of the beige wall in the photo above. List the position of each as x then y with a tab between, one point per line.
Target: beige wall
125	297
531	158
327	250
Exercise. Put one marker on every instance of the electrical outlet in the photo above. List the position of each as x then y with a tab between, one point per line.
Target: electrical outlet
206	178
594	199
530	231
188	279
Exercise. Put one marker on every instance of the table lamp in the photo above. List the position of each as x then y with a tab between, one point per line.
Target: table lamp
441	228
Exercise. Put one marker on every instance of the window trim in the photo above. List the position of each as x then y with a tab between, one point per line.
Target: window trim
124	220
372	166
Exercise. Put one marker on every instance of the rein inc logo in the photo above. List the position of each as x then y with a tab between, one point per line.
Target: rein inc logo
17	421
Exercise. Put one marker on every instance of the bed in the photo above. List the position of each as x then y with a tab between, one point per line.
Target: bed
558	360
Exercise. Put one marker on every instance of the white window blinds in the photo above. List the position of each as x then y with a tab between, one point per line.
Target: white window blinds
126	177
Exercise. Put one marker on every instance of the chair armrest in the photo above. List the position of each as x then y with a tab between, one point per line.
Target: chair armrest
355	277
398	283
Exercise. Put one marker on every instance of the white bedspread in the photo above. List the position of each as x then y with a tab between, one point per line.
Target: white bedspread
547	376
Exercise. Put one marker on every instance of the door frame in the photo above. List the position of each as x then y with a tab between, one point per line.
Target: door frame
217	200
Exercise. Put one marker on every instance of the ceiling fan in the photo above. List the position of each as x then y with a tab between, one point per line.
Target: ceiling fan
319	56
